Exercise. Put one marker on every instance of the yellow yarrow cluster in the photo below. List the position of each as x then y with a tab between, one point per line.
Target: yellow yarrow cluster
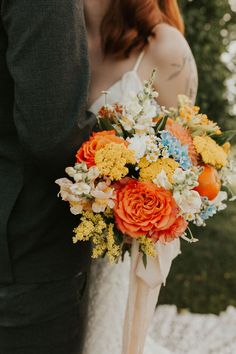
113	249
147	246
93	227
90	224
149	171
112	160
210	151
99	246
108	213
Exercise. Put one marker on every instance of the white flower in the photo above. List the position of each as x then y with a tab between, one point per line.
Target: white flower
133	106
80	188
218	201
65	190
127	122
93	173
162	180
70	171
186	179
189	201
104	197
149	109
76	209
138	143
179	176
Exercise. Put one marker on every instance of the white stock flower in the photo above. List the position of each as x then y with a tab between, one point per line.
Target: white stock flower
138	143
80	188
218	201
93	173
162	181
127	122
104	197
133	106
179	176
70	171
76	209
189	201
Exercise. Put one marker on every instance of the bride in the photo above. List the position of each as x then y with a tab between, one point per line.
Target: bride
127	39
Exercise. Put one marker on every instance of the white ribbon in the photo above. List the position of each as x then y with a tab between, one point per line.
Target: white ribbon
144	288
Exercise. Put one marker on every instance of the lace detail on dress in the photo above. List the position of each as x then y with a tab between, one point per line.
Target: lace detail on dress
107	303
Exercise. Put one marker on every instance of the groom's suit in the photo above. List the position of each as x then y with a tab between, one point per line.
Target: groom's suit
43	92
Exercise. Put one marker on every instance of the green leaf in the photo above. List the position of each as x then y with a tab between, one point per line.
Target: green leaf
224	137
106	124
161	125
145	260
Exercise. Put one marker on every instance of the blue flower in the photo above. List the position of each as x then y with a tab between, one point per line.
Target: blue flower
208	212
175	149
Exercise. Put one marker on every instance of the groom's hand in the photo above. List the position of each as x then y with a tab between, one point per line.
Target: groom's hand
48	62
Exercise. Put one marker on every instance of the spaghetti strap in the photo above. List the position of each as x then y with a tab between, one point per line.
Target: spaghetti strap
139	60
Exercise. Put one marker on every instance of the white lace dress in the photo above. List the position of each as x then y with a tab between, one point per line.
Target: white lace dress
170	333
109	284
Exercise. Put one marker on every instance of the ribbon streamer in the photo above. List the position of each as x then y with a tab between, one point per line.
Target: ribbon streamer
144	289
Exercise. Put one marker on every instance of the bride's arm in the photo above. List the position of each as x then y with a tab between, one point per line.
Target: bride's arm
176	67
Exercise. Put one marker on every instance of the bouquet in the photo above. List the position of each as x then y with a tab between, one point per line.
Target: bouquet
139	183
147	175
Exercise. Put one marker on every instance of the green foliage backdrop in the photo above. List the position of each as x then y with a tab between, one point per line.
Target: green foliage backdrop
203	279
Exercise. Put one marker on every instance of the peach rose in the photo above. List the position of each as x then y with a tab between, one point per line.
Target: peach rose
97	141
141	208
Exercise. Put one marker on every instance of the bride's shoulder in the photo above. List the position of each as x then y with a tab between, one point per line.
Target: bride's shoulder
167	43
170	53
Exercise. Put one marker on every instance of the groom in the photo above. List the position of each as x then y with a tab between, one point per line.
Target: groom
44	78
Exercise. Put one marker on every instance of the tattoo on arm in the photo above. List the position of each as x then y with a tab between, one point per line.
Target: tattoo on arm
178	69
191	83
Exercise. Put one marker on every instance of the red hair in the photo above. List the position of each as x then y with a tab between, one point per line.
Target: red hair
129	23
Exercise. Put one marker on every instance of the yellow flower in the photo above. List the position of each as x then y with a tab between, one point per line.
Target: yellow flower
108	213
113	249
149	171
147	246
99	246
93	227
84	231
90	224
226	147
210	151
112	160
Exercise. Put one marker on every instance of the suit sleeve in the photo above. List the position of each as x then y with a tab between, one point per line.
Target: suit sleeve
48	62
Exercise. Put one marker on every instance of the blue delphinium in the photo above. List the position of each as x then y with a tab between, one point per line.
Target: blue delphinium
208	212
175	149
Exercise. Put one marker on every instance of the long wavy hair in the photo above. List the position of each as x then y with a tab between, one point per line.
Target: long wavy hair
129	23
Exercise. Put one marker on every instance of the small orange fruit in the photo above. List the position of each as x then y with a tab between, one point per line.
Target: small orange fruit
209	182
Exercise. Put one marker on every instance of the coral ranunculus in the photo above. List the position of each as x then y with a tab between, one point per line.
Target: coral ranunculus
97	141
143	209
184	137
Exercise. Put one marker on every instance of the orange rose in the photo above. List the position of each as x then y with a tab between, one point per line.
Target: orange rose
143	209
97	141
176	230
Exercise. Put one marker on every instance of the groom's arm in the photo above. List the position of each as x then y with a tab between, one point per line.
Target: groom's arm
47	60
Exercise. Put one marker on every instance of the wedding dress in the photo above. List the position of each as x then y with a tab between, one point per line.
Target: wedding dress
170	333
109	284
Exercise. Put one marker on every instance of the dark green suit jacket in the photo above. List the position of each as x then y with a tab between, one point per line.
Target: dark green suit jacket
44	76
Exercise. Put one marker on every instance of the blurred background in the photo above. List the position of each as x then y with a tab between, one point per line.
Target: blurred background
203	279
